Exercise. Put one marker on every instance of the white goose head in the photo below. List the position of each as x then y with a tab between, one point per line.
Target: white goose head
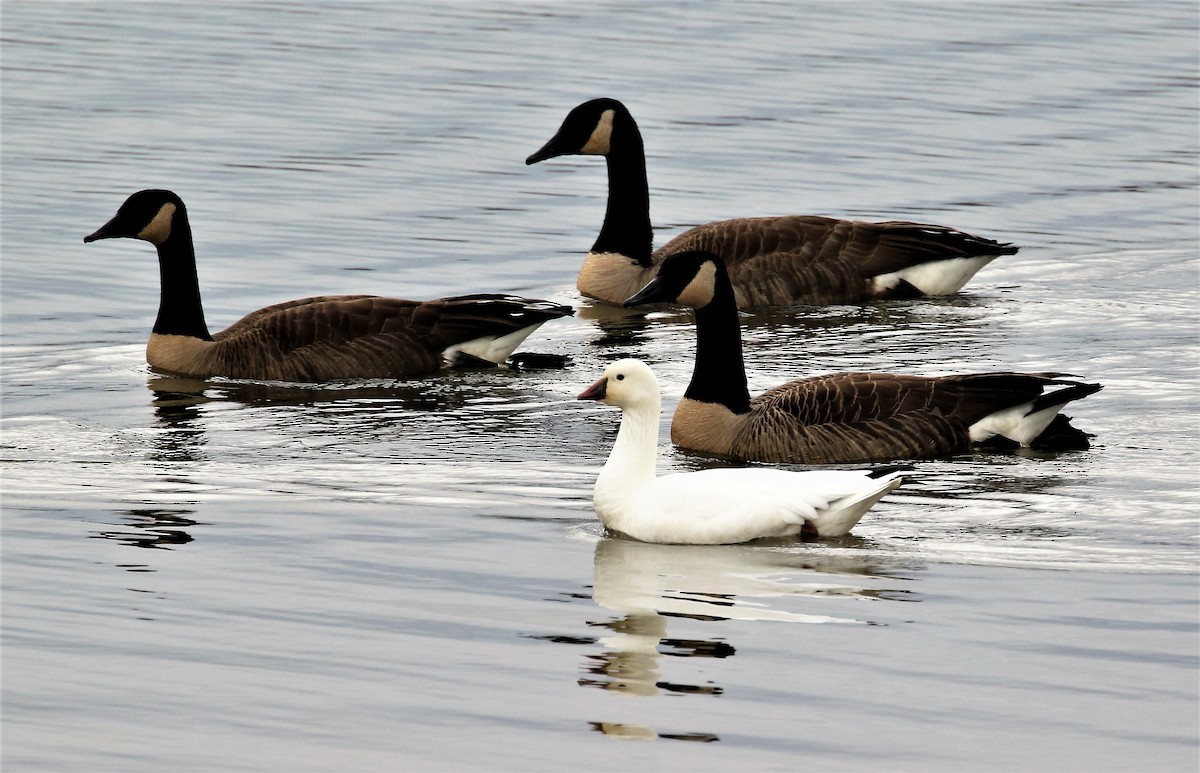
628	384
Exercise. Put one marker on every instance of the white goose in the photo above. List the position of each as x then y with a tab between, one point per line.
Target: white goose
718	506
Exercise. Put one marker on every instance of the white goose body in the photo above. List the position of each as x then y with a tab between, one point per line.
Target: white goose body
720	506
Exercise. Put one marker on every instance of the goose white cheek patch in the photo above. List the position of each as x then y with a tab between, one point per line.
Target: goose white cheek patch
601	139
159	229
699	292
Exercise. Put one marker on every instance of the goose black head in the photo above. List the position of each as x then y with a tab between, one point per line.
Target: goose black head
147	215
587	130
685	278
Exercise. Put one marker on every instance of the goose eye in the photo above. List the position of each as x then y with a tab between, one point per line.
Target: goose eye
620	377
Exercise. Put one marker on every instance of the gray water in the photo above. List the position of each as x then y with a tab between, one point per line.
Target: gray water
224	576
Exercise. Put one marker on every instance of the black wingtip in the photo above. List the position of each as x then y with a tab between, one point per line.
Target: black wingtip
881	472
538	361
1075	391
1061	436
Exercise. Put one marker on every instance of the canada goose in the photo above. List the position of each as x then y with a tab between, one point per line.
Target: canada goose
324	338
843	417
773	261
713	507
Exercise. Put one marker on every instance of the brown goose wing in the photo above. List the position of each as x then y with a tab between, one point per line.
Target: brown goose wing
857	417
326	338
818	260
850	417
362	336
778	260
255	318
849	397
770	437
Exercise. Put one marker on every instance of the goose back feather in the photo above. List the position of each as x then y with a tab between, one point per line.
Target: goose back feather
799	259
843	417
772	261
323	338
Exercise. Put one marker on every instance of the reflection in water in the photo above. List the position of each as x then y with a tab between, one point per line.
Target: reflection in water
652	584
995	502
361	410
631	664
173	393
643	733
864	337
994	482
454	418
729	582
622	331
152	528
183	437
381	409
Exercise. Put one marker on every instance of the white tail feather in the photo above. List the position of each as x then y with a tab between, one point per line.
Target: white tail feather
935	277
844	514
491	348
1016	423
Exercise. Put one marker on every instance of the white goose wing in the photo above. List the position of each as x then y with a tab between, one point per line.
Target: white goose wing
736	505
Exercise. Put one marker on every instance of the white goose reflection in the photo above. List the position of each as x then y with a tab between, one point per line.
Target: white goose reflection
730	582
648	584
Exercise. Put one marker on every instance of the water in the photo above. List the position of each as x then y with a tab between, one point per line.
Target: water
213	575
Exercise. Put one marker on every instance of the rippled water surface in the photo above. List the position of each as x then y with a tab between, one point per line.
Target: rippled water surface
222	575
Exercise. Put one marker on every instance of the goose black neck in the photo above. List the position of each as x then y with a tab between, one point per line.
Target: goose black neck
720	373
179	309
626	228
